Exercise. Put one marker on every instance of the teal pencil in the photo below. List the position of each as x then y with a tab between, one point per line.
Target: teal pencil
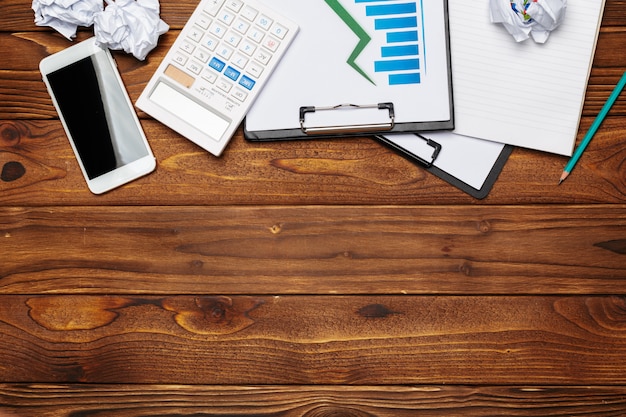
594	127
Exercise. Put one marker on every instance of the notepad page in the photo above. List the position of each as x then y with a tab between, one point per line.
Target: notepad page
524	94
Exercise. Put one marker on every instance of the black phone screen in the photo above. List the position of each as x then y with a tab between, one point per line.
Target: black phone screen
97	115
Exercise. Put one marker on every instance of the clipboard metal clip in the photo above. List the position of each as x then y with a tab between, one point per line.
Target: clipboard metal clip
355	128
436	149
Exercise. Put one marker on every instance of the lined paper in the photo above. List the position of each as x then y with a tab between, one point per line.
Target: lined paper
525	94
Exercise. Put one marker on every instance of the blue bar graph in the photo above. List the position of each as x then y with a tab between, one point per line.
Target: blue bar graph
395	23
396	65
404	50
408	36
406	78
400	20
387	9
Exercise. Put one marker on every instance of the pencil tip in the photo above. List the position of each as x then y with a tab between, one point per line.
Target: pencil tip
560	181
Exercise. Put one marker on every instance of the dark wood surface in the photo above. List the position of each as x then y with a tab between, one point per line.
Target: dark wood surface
312	278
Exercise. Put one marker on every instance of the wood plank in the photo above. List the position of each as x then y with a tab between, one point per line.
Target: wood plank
362	340
37	167
311	401
314	250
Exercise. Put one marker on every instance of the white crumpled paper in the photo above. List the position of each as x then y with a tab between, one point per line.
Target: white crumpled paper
525	18
133	26
65	16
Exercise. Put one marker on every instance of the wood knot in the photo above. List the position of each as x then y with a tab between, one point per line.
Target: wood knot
10	134
484	226
616	246
212	315
12	171
466	268
375	311
196	264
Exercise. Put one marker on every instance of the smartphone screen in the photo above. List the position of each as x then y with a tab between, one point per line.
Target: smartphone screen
95	110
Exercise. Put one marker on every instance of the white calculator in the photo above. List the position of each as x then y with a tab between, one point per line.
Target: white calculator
215	69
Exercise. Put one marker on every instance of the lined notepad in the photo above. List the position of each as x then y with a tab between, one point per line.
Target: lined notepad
525	94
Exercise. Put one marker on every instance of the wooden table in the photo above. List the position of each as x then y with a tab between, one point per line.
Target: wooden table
316	278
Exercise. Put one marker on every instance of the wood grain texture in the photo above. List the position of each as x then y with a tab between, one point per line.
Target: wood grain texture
360	340
315	279
306	250
334	171
21	86
310	401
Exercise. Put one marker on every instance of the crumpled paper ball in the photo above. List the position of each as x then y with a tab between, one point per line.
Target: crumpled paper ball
129	25
525	18
133	26
66	15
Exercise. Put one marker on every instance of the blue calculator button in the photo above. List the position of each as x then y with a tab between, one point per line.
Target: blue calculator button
216	64
247	82
232	73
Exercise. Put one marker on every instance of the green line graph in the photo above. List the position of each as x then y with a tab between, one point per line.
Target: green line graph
364	38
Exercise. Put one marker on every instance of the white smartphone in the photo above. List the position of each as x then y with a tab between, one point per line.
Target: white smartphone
97	115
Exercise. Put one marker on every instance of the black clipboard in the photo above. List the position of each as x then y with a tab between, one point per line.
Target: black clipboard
306	98
429	162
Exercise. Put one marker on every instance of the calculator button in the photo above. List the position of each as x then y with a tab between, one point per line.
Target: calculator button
209	76
249	13
240	61
195	34
247	48
247	82
264	21
187	47
234	5
202	55
217	29
203	21
224	85
216	64
210	42
180	58
213	7
278	30
239	94
194	67
256	35
263	56
232	38
226	16
232	73
241	26
255	70
224	51
271	43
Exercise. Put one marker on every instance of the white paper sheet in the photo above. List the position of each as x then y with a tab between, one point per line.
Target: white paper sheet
315	72
467	159
525	94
